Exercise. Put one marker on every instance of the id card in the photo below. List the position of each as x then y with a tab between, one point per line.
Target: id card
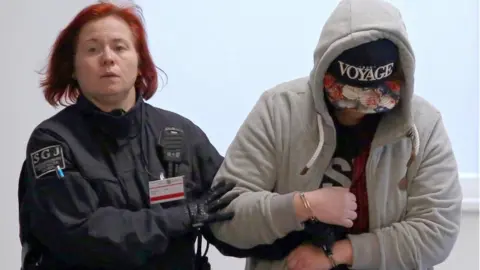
166	190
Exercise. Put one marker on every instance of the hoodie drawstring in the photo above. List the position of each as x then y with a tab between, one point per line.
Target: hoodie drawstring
321	140
414	137
412	134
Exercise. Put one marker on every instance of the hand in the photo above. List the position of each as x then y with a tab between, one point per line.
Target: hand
308	257
333	205
206	209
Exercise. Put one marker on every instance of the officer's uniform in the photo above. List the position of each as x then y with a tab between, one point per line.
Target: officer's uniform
86	195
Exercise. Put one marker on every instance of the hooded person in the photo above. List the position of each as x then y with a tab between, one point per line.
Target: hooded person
349	146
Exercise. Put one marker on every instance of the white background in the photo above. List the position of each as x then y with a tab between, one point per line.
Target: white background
220	56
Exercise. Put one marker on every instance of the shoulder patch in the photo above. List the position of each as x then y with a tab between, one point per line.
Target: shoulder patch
47	159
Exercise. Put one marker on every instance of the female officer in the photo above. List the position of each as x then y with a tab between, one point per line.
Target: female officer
111	182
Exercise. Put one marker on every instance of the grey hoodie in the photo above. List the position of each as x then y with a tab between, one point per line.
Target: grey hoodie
287	142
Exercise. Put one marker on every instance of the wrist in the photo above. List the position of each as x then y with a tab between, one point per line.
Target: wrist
180	220
333	260
302	212
342	252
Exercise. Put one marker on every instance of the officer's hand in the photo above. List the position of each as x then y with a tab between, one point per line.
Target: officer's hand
207	209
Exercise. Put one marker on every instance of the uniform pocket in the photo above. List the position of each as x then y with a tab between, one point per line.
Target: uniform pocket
107	187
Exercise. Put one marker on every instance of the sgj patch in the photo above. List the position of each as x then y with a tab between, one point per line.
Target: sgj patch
47	159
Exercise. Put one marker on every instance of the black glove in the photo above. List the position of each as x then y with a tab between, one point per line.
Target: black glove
206	209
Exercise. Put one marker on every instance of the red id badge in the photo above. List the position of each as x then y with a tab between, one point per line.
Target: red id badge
166	190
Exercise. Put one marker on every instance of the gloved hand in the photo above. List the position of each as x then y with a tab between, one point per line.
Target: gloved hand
206	209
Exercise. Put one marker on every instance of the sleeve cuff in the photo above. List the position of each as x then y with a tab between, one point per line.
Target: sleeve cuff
176	219
283	214
366	251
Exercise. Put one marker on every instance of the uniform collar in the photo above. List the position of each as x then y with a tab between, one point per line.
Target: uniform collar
113	123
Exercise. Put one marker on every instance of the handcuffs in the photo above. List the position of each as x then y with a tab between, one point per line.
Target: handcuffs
324	241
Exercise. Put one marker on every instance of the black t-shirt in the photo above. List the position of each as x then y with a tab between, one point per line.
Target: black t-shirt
348	165
351	141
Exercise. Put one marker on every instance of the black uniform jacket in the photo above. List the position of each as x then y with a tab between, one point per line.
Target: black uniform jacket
98	215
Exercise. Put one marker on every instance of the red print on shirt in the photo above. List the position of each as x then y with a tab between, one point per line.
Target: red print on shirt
359	189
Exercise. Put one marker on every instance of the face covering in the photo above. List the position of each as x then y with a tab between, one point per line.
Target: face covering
378	99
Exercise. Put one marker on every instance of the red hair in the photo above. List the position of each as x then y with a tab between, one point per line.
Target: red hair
58	83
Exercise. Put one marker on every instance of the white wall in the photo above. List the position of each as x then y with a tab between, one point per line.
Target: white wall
28	30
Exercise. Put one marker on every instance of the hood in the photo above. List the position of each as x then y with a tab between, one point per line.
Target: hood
352	23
